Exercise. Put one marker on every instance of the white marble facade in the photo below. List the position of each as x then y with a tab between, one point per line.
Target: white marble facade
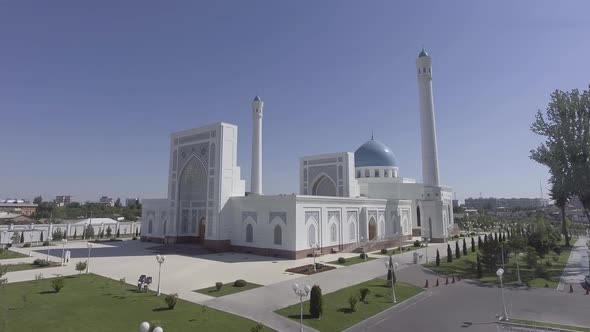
344	198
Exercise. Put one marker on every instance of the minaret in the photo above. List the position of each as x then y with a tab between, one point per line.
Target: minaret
256	178
427	122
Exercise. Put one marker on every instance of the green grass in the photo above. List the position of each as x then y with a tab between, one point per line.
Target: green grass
227	289
466	267
396	251
352	261
24	267
336	310
8	254
102	305
545	324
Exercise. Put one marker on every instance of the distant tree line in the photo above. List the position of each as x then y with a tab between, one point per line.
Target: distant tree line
76	210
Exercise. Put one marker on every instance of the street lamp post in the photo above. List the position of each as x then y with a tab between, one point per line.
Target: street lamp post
301	292
160	259
49	238
500	273
426	248
145	327
30	242
89	245
2	237
516	256
316	247
63	250
391	266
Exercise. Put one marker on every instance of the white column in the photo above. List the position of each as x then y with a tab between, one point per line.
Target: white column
256	175
427	120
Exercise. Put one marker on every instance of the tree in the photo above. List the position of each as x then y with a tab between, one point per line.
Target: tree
437	258
89	232
496	236
315	302
41	236
81	266
479	242
109	232
118	232
22	237
118	203
491	255
472	244
75	233
449	254
485	238
465	247
37	200
457	252
391	278
57	284
479	274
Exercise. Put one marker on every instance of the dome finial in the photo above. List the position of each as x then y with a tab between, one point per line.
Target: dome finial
372	137
423	52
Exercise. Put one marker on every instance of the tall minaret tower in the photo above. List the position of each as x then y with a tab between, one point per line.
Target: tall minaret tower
256	178
427	122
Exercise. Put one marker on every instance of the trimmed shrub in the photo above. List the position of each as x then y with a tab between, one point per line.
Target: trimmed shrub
457	252
155	323
240	283
218	285
134	238
363	255
81	266
449	254
384	251
364	292
57	284
257	328
472	244
464	247
437	258
46	243
352	302
171	300
27	245
417	243
315	302
40	262
341	260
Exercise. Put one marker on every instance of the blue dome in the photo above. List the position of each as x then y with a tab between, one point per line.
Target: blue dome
374	153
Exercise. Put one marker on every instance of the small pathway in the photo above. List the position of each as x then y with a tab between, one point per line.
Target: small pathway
577	265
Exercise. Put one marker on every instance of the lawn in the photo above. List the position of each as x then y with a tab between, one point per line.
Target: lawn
336	310
8	254
466	267
227	289
352	261
104	305
395	251
25	266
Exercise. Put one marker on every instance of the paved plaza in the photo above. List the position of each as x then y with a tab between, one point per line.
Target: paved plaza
466	304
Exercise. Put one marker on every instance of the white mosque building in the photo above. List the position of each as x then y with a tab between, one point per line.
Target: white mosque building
346	200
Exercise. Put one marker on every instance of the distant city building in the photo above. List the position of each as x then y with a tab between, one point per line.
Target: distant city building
62	200
106	201
455	203
131	201
15	200
492	203
19	207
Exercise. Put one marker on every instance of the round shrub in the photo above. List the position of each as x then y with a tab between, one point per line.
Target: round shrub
240	283
341	260
46	243
417	243
26	245
171	300
384	251
363	255
218	285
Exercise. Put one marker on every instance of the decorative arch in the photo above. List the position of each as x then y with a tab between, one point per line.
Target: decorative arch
192	185
323	185
311	235
150	225
249	233
372	228
278	235
333	232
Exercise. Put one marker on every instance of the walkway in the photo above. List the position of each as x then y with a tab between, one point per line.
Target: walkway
577	265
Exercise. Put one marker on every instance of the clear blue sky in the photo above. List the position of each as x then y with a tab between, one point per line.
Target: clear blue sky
90	91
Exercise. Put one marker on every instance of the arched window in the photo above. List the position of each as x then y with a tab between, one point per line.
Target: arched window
278	236
193	182
367	173
324	186
358	174
376	173
424	70
249	233
150	227
333	233
352	231
311	235
386	173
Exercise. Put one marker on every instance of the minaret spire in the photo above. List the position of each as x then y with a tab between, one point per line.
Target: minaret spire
256	175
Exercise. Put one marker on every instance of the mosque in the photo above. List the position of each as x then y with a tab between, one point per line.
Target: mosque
346	200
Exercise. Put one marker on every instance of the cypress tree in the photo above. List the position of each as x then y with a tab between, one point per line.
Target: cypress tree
464	247
391	278
457	251
315	302
75	233
479	242
496	236
485	238
118	232
478	267
41	237
22	237
449	254
472	244
437	258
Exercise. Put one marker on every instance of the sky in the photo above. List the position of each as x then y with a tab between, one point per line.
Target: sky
90	91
